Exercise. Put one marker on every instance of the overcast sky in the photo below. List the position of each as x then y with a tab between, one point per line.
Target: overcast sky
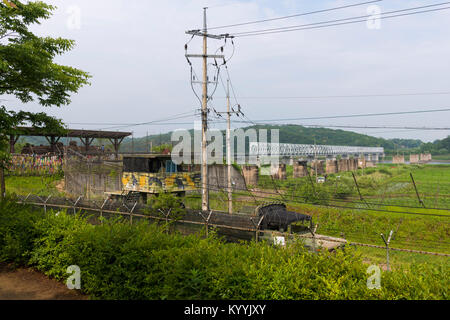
134	50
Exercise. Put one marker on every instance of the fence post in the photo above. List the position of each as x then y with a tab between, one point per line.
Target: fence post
257	227
26	198
131	212
101	209
357	188
75	204
167	218
206	221
45	203
417	192
313	232
387	248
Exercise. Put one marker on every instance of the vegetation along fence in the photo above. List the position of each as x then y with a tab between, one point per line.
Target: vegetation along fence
234	227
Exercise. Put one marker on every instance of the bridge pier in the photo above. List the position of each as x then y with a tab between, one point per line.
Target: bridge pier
300	168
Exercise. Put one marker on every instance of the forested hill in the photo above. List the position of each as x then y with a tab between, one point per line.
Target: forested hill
297	134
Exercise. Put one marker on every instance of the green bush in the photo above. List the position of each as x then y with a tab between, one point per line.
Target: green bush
17	232
141	261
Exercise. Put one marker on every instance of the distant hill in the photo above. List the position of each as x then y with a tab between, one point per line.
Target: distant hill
295	134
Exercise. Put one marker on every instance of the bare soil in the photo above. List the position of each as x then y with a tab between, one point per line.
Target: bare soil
28	284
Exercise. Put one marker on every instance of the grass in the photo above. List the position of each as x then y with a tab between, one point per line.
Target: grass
38	185
387	184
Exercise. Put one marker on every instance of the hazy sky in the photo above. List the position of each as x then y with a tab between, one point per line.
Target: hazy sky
134	50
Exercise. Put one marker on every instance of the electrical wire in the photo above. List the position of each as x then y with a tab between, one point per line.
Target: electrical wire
346	96
324	24
294	15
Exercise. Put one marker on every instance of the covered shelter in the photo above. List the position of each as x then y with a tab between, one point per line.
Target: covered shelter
86	137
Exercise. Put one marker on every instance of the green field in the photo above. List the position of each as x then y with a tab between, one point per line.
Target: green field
389	203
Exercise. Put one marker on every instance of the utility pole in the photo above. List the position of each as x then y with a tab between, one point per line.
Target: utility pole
229	112
204	34
230	191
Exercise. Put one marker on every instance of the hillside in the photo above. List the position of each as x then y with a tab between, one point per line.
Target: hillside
294	134
297	134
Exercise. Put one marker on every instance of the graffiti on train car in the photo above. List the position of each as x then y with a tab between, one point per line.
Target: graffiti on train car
155	182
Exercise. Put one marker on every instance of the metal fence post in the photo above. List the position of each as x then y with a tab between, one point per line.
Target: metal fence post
75	204
101	209
257	227
313	232
206	221
387	248
45	203
131	212
417	192
167	218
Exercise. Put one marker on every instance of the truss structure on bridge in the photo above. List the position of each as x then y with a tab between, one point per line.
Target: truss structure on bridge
284	149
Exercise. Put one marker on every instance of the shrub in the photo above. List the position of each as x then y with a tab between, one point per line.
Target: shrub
17	231
141	261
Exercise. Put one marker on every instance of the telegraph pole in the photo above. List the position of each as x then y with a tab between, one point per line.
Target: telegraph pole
229	112
204	34
205	193
230	191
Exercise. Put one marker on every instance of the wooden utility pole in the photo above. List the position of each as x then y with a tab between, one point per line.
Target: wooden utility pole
230	190
229	112
204	34
205	193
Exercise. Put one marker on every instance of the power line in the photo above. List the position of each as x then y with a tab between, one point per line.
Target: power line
324	24
294	15
375	127
162	121
357	115
179	116
347	96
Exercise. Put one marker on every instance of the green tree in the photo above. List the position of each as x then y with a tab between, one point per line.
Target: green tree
28	71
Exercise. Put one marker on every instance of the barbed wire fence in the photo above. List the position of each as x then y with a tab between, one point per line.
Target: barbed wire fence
88	196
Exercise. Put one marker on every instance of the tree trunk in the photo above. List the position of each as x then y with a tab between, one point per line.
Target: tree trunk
2	183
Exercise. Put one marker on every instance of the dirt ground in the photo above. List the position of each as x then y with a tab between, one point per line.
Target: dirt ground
28	284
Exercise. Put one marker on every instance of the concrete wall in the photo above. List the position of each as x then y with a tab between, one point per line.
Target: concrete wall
251	175
353	164
279	172
92	179
414	158
343	165
317	165
300	169
331	166
361	163
398	159
218	177
425	157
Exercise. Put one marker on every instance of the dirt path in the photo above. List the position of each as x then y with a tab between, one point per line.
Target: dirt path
27	284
